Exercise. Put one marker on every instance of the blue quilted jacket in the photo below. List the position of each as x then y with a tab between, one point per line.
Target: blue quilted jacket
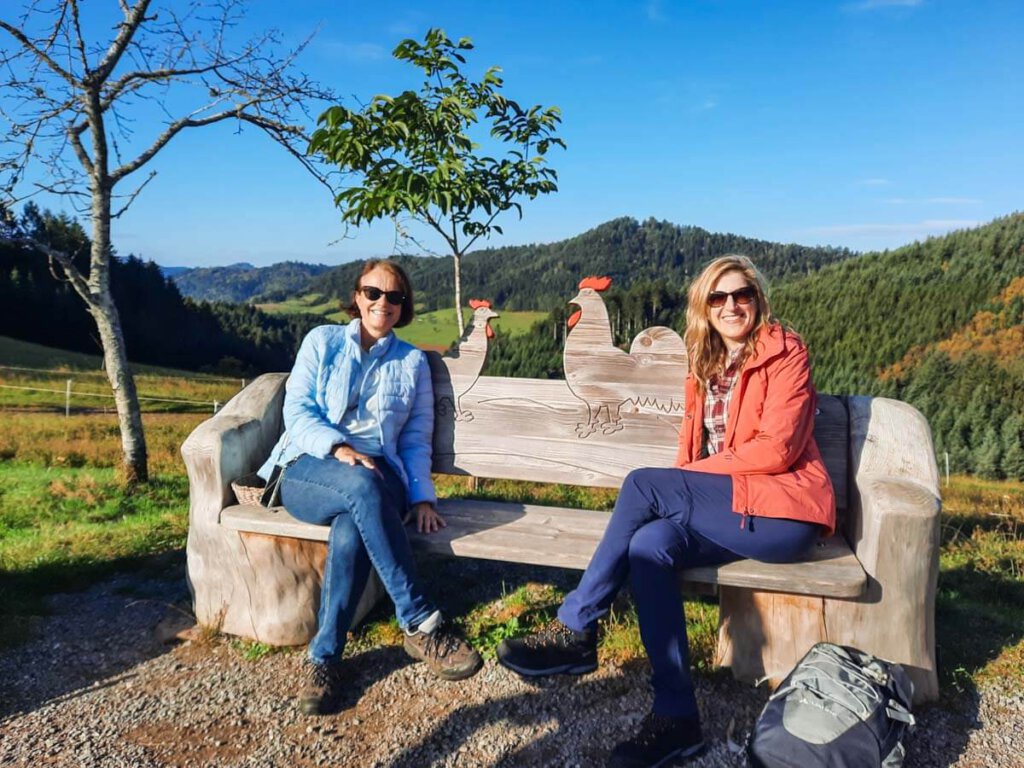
316	397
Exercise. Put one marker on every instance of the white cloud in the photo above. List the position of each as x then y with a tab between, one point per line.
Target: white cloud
954	200
873	5
906	229
356	51
654	11
876	182
933	201
706	105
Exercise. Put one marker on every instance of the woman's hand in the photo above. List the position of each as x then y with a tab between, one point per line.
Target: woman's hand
427	519
349	455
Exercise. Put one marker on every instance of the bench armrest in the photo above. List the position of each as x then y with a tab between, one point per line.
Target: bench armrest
233	442
893	475
894	530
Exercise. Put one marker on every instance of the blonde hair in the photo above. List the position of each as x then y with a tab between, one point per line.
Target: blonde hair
704	347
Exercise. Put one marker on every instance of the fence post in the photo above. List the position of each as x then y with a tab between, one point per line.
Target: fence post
216	405
67	400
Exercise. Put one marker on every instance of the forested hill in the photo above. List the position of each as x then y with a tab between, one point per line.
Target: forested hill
160	326
545	276
939	324
244	282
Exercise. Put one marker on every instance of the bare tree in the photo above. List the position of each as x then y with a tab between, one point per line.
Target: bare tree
75	108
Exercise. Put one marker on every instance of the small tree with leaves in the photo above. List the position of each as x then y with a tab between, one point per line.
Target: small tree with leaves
415	156
71	108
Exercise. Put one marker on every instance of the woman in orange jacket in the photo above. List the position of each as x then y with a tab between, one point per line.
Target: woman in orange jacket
749	483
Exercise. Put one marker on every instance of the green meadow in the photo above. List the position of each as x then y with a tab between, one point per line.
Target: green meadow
430	330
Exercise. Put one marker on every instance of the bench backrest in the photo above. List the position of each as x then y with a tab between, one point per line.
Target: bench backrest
542	430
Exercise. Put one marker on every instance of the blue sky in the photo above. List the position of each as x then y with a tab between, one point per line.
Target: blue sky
860	123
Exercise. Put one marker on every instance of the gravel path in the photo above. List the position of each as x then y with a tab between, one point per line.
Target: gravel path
100	687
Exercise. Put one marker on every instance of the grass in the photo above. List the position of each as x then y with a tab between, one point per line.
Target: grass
981	582
50	440
63	528
429	330
438	329
309	304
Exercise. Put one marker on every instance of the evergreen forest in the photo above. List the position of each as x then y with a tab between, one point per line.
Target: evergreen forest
160	326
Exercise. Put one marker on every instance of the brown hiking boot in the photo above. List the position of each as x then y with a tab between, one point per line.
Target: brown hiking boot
445	652
321	692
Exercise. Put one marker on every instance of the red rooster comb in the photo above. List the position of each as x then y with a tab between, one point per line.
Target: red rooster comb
597	283
477	303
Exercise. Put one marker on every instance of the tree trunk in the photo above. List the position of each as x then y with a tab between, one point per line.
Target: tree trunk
458	292
134	465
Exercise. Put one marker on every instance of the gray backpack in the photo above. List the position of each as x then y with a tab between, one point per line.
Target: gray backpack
838	708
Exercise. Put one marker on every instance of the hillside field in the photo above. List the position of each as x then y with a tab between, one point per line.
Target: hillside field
428	330
34	376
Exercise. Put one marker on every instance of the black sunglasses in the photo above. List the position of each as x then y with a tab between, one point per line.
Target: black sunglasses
743	296
372	293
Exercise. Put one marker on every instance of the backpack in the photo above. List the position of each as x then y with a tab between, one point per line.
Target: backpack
838	708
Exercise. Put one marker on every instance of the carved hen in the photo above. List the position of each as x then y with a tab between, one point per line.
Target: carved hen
610	381
466	360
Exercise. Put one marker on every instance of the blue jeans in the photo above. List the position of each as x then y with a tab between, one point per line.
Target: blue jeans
665	520
364	509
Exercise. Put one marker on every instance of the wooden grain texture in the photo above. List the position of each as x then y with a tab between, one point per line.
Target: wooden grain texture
263	588
566	538
526	429
762	635
895	528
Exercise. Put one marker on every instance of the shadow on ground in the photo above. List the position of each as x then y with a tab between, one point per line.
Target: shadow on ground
96	634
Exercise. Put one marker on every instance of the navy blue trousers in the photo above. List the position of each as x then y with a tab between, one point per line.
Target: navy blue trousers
666	520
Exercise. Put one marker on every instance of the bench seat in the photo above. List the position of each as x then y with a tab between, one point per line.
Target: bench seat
566	538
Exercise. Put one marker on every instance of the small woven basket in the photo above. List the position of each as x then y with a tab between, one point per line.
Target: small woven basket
248	489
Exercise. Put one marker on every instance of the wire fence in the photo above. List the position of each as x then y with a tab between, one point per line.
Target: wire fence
70	392
76	374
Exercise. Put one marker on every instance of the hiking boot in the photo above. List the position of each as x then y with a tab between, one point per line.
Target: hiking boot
321	692
661	740
555	650
444	651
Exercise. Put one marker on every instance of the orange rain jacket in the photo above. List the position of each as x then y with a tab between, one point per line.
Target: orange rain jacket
769	450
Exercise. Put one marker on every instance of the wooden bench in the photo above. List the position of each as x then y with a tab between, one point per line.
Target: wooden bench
256	572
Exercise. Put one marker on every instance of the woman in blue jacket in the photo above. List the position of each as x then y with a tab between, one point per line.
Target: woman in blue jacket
356	451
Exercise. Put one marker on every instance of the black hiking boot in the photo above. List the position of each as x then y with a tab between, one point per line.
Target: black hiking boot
321	693
556	650
661	740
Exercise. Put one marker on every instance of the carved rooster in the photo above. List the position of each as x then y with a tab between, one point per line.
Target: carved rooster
611	381
466	360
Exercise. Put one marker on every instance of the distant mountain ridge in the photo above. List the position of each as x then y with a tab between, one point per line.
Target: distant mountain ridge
538	276
243	283
545	275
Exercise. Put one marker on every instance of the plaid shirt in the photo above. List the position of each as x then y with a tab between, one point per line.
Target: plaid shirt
716	404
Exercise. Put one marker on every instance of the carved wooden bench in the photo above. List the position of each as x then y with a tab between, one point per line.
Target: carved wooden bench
256	572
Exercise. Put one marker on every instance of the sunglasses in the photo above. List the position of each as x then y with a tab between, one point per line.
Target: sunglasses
372	293
742	296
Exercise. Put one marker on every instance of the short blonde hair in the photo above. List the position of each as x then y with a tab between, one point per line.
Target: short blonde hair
704	347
